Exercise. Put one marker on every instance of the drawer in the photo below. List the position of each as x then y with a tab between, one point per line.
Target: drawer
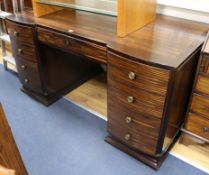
202	84
139	100
77	46
204	66
200	105
198	125
123	116
20	33
29	74
133	138
148	78
24	51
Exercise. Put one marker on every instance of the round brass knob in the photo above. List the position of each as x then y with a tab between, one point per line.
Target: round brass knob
128	119
15	34
130	99
127	137
20	51
23	67
26	81
131	75
205	129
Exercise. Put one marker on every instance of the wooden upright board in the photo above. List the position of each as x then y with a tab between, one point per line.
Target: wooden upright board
134	14
42	9
9	154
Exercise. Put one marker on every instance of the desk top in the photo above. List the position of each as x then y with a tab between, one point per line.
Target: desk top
166	42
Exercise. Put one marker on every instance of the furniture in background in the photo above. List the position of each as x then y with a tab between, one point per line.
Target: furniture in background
14	6
6	9
197	123
149	72
9	153
4	37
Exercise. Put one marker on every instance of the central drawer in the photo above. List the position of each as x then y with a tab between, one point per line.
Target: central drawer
77	46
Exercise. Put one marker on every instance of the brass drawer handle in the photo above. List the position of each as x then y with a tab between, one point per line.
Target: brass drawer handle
127	137
131	75
205	129
26	80
15	34
130	99
20	51
128	119
23	67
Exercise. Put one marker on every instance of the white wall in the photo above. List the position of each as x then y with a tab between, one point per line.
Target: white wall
197	10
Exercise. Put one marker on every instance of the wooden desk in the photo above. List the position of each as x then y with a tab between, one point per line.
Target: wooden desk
149	73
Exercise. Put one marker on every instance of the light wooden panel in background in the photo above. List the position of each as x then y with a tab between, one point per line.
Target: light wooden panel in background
42	9
134	14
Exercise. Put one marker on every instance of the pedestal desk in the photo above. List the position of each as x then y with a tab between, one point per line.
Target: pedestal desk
149	72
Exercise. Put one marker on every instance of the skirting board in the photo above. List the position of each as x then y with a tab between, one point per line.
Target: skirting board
188	161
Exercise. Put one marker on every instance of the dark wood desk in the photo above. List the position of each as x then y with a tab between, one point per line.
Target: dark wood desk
149	73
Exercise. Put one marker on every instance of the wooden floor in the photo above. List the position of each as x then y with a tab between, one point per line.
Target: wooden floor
193	151
92	96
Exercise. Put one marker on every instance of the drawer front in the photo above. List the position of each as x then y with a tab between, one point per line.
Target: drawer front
20	32
204	66
200	105
133	138
148	78
29	75
134	120
202	84
77	46
142	101
24	51
198	125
